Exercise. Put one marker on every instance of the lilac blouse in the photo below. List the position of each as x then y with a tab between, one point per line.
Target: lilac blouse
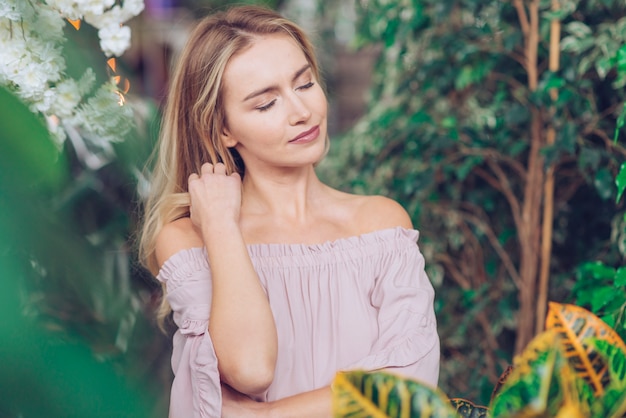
362	302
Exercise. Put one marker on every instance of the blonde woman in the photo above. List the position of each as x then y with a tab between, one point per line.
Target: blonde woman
276	281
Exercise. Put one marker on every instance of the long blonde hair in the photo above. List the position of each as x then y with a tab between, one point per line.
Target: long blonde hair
193	116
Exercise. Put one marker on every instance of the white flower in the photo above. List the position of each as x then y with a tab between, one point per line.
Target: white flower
9	10
32	80
52	62
17	10
94	7
45	102
67	98
68	8
51	23
58	133
33	67
114	40
133	8
86	82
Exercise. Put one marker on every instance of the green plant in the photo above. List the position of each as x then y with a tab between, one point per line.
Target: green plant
61	318
575	369
469	123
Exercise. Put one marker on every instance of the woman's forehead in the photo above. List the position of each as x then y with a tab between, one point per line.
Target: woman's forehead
268	60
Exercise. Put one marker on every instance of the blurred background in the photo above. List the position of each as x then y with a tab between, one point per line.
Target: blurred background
497	125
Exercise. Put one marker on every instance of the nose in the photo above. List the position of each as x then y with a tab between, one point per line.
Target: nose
299	111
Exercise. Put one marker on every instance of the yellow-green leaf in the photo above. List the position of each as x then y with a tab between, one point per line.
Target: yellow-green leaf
541	384
574	325
467	409
361	394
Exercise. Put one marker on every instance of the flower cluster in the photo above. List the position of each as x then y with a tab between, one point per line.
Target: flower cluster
107	16
33	66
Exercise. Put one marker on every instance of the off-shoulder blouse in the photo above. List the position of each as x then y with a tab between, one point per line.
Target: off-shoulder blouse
362	302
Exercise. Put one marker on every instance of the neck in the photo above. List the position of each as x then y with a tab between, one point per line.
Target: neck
289	194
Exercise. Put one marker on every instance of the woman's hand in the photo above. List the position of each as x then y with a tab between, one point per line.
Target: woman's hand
215	196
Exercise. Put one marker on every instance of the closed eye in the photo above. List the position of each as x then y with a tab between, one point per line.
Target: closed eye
267	106
306	86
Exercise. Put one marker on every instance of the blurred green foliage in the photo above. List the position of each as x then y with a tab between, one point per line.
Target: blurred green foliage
447	135
51	276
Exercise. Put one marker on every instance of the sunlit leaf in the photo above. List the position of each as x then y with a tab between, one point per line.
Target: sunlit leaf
615	359
526	389
541	383
611	405
574	325
467	409
360	394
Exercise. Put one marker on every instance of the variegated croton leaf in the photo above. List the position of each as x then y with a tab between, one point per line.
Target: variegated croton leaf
360	394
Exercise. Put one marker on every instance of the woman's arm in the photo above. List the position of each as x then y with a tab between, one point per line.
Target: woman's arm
241	326
313	404
241	322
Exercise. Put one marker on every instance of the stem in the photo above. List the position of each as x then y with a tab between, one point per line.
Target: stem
548	191
529	230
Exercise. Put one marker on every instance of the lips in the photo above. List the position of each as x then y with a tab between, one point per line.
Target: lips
306	136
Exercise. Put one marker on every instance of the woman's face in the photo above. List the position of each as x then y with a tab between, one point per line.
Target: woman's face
275	108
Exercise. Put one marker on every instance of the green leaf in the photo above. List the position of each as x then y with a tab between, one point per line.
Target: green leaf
466	167
620	181
28	156
361	394
621	120
467	409
601	297
598	270
615	359
603	183
578	29
620	277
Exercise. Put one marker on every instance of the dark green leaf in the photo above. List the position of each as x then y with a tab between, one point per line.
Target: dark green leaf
620	181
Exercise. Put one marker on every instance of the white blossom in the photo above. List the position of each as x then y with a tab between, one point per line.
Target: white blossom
94	7
67	98
114	40
45	102
33	66
51	23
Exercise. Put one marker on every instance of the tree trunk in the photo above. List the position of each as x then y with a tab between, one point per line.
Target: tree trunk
548	191
529	236
530	225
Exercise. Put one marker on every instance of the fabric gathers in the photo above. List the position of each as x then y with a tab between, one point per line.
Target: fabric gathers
361	302
193	360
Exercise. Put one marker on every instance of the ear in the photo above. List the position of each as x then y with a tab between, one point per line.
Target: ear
227	138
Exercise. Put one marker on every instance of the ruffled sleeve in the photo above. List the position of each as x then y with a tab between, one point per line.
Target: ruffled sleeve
408	342
196	391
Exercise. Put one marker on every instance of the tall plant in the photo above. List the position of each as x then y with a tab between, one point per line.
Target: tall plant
68	202
462	106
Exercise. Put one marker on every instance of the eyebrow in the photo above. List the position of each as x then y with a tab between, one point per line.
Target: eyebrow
274	87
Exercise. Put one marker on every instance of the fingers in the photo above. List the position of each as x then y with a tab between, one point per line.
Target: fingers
192	177
219	168
207	169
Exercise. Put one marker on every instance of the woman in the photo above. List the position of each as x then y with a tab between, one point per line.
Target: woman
292	279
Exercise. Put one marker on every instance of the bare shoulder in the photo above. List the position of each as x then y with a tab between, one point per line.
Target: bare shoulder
379	212
373	213
176	236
